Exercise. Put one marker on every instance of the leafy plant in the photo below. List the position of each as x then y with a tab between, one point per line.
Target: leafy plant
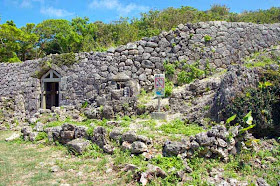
169	68
248	119
41	136
85	104
168	88
190	73
207	38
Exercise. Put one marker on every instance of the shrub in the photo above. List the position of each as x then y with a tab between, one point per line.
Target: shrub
264	102
168	88
169	68
190	73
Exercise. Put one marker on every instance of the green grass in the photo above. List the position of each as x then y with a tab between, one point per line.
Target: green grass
24	163
179	127
259	61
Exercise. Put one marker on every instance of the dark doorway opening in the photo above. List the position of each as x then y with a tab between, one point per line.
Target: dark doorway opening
52	94
50	86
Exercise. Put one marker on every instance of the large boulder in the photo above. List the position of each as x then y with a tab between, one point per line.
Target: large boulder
234	81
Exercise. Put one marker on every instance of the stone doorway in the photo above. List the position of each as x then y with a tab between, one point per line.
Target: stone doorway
50	84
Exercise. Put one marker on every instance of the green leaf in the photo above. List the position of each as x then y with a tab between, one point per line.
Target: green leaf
247	128
248	118
231	119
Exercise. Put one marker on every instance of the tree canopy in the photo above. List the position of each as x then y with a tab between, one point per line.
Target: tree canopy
80	35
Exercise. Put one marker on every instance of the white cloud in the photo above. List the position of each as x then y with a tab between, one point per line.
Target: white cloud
26	4
29	3
122	9
54	12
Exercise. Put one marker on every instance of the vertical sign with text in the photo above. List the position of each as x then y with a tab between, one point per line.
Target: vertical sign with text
159	85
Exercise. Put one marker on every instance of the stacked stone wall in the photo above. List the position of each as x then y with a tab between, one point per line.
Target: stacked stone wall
91	78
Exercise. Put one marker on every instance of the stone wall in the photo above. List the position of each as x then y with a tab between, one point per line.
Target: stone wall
95	75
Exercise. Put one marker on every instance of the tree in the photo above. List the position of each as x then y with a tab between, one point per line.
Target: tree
9	45
28	42
57	36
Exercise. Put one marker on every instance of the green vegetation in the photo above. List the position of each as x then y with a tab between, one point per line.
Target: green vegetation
18	168
190	73
180	72
80	35
263	102
261	60
168	88
169	68
179	127
207	38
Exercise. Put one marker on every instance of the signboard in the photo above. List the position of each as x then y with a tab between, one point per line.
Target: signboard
159	85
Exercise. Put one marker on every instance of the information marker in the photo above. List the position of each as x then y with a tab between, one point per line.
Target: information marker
159	87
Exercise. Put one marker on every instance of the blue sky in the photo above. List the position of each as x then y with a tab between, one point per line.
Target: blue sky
35	11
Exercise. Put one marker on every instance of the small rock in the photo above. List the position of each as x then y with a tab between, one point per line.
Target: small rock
147	156
172	148
221	142
33	135
129	137
99	136
130	167
115	134
109	170
55	168
79	174
81	132
126	146
113	123
68	127
144	139
78	145
26	130
261	182
271	159
32	120
156	171
187	167
138	147
144	179
108	149
13	137
39	127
